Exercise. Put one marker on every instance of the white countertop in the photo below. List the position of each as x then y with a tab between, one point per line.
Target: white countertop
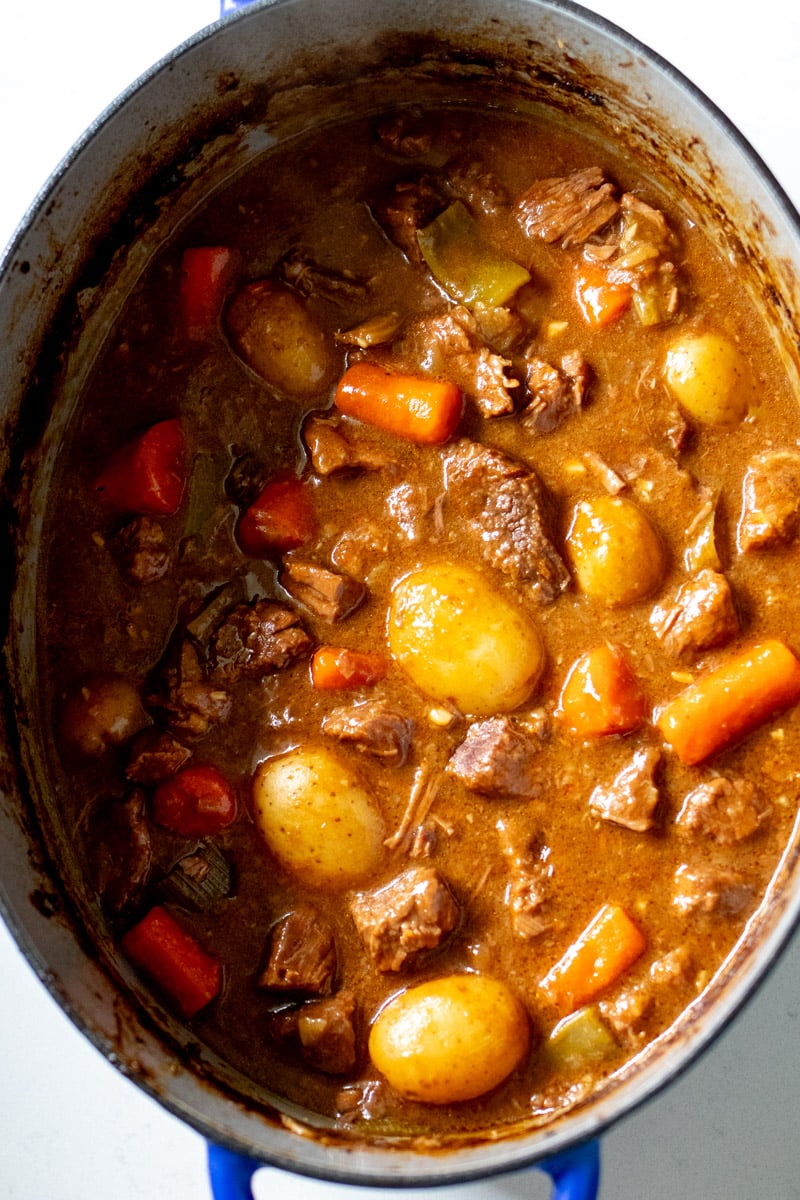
72	1127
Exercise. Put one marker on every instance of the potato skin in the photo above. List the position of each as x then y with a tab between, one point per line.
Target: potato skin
707	376
450	1039
615	553
317	817
272	330
461	641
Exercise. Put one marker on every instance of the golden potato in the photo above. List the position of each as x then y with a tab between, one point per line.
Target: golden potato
317	818
461	641
708	377
615	553
273	332
450	1039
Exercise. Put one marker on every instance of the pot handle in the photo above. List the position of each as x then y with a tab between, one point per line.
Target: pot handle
575	1173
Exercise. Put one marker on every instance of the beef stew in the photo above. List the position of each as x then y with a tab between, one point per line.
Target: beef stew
422	645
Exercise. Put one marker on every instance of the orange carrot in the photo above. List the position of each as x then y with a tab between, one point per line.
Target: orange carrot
414	407
172	958
608	945
743	692
280	518
601	694
600	301
335	667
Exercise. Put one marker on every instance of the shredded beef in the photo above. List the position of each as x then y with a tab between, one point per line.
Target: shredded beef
724	810
496	759
121	849
700	615
505	505
257	639
311	279
771	501
327	594
374	727
412	913
302	954
526	894
568	209
631	798
155	755
143	550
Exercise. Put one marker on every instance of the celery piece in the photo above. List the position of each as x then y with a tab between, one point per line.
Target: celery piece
580	1039
465	265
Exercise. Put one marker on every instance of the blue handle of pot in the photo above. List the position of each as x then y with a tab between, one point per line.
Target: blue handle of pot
575	1173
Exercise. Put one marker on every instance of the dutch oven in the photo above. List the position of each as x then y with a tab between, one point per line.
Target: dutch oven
198	117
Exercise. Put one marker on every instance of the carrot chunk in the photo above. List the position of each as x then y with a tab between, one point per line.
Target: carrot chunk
414	407
206	273
146	476
601	301
335	667
172	958
281	518
601	694
742	693
608	945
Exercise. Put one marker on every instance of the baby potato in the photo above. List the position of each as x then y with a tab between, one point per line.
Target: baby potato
105	712
273	332
614	551
708	377
461	641
317	817
450	1039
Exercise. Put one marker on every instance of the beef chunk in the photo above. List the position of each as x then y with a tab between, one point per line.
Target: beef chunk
469	180
302	955
771	501
372	726
554	392
725	810
257	639
190	704
325	1030
526	894
631	799
121	850
155	755
408	206
700	615
361	548
328	594
505	506
143	550
568	209
333	447
496	759
450	343
709	890
412	913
